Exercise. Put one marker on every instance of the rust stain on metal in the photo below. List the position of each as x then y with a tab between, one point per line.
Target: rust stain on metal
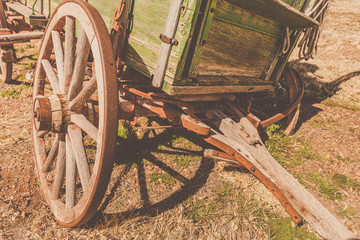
267	182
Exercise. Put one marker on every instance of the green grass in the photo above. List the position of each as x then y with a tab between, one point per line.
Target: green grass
307	152
186	160
277	144
21	77
159	178
23	49
125	131
324	124
345	159
344	181
155	178
283	229
30	65
200	211
328	189
347	213
226	191
346	106
183	142
352	129
10	93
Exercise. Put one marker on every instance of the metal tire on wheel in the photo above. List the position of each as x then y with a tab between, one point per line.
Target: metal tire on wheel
5	67
75	115
5	70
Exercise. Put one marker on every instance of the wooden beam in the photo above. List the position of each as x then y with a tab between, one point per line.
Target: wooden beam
165	48
197	90
319	218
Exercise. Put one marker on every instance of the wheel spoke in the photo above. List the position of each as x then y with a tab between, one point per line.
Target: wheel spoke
69	58
59	56
77	145
82	54
85	125
52	154
41	134
59	169
51	75
84	95
2	67
70	175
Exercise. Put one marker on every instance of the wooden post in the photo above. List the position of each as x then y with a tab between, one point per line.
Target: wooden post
165	48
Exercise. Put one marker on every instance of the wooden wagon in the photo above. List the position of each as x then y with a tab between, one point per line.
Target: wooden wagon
192	62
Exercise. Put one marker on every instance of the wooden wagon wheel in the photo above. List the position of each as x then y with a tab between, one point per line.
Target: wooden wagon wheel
295	93
5	70
5	67
75	116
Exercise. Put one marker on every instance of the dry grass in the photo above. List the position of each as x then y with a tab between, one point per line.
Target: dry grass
162	188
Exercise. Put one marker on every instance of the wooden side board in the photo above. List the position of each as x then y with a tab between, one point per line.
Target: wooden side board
280	11
198	90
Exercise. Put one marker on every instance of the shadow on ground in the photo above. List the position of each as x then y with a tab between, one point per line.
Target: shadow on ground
133	151
315	90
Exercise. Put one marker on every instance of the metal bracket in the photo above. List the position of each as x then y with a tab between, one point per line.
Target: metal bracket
167	40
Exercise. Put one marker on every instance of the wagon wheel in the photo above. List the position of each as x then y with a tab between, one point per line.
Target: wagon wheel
75	116
5	70
294	92
5	67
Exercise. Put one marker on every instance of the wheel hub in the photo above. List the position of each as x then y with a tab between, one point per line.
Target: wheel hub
49	113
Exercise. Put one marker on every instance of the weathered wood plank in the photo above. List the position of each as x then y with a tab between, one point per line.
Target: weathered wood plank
70	175
82	54
206	98
193	90
26	36
303	201
59	169
85	125
51	75
52	154
279	11
69	57
248	55
78	149
89	89
59	56
165	48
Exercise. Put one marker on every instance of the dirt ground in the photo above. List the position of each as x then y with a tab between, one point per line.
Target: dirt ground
167	190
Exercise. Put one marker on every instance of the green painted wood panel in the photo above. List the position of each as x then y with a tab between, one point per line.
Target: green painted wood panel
105	7
239	43
148	22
